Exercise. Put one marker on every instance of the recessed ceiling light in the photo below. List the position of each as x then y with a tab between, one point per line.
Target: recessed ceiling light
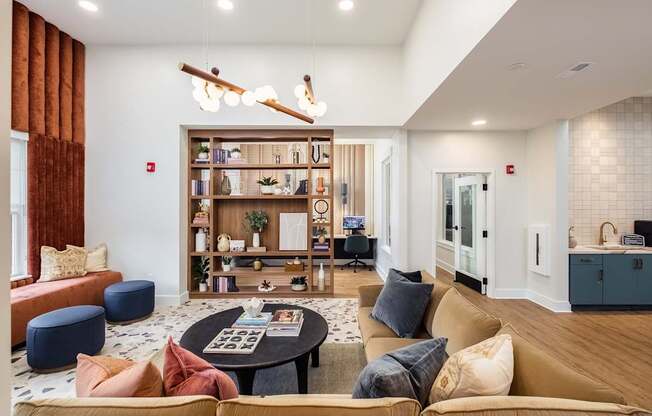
87	5
478	122
346	5
225	4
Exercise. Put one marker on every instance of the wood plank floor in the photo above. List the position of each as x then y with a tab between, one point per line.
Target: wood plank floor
347	282
614	347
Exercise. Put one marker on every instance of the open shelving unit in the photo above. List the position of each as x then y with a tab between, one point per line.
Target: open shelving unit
226	211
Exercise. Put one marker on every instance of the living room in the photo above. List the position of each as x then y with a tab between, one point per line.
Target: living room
371	190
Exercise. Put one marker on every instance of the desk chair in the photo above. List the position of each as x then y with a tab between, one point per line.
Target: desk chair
356	244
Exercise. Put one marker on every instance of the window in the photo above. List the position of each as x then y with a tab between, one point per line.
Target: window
447	207
387	201
18	204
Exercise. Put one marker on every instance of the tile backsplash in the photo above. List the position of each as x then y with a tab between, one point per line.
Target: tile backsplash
611	168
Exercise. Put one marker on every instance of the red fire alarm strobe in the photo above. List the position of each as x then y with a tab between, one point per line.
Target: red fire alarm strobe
151	167
509	169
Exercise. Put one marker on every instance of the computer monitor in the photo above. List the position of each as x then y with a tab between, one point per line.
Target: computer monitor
353	222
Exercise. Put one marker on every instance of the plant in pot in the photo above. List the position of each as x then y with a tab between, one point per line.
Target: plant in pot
200	273
235	153
267	185
321	235
226	263
255	222
203	151
298	283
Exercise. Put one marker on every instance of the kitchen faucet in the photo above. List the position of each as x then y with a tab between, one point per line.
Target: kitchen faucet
602	239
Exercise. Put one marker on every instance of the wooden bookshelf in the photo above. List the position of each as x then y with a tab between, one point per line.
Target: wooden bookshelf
226	212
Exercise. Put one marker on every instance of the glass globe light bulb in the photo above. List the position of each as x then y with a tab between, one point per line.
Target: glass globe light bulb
209	105
214	92
261	94
270	93
304	102
312	110
199	94
300	91
198	82
248	98
231	98
321	109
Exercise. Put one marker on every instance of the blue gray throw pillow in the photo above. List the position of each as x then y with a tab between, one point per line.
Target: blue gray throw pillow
406	372
411	276
401	304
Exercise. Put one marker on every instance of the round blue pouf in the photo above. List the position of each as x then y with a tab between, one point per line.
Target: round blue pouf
55	338
129	301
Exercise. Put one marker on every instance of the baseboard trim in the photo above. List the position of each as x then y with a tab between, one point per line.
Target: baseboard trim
557	306
382	272
445	266
172	300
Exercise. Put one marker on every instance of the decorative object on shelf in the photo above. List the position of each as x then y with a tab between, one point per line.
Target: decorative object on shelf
293	231
296	261
200	241
321	235
235	153
226	263
572	241
255	222
278	191
294	266
295	153
257	265
266	286
306	99
200	273
298	283
321	207
315	154
287	188
225	184
223	243
203	151
209	88
200	218
325	156
256	249
321	278
267	185
237	246
303	187
253	307
320	185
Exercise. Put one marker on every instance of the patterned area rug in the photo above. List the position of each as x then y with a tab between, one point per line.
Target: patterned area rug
140	340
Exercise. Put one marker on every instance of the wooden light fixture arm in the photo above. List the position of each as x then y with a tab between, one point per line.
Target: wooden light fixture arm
309	92
239	90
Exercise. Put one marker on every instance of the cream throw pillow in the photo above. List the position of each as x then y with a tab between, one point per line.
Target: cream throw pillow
57	265
95	258
484	369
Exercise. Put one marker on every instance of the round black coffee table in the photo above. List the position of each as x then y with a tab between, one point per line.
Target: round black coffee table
270	352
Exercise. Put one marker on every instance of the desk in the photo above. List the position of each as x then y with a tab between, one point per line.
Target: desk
340	254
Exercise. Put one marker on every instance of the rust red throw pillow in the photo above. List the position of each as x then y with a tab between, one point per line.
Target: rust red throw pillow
185	374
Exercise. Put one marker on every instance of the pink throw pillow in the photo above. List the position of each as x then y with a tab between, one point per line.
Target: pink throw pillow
185	374
114	377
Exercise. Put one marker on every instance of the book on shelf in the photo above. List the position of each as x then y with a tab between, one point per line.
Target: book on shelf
286	317
235	341
221	156
202	161
221	284
285	330
245	321
256	249
201	186
320	247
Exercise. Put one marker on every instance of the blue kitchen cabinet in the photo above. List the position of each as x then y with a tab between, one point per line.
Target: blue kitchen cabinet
643	275
586	279
620	279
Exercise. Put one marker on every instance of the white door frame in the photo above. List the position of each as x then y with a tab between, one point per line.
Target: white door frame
435	211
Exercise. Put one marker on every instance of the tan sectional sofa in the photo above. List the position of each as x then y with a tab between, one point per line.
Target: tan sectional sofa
542	385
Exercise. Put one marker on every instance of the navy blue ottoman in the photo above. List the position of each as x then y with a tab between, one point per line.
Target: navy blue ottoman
129	301
55	338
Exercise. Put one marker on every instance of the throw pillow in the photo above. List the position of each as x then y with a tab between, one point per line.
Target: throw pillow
406	372
57	265
185	374
401	305
411	276
95	258
484	369
114	377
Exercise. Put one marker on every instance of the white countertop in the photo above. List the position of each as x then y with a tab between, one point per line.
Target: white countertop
614	250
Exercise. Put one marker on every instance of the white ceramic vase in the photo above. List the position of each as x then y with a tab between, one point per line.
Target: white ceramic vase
202	156
267	189
226	267
203	287
256	240
321	279
200	241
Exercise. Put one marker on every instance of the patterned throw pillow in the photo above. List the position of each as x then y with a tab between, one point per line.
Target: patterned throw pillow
484	369
95	258
114	377
57	265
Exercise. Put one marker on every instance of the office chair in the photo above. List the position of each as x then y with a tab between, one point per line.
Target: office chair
356	244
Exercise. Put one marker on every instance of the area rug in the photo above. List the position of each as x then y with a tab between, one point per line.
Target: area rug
140	340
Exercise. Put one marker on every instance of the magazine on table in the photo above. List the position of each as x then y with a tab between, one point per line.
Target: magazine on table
235	341
285	331
287	317
258	322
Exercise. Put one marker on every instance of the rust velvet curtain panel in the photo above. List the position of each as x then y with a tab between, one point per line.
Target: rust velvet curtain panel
48	103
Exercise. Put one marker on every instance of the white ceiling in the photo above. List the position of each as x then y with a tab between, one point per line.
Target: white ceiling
549	36
138	22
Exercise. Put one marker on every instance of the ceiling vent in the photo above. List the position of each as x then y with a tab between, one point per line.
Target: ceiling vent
575	69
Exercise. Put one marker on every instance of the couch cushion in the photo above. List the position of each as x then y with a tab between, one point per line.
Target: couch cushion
377	347
438	292
36	299
57	265
401	305
411	276
463	323
104	376
371	328
140	406
405	372
538	374
317	405
527	406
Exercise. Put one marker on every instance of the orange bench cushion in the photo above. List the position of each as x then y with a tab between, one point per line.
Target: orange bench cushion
32	300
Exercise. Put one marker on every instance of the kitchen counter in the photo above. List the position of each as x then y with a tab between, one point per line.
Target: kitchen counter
614	250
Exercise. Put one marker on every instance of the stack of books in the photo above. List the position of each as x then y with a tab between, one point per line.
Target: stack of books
202	186
221	156
224	284
320	246
285	323
246	321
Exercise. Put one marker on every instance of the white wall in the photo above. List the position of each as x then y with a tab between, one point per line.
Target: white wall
5	229
482	150
136	101
547	201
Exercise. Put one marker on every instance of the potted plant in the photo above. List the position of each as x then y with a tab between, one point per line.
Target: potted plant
321	235
203	151
235	153
255	222
267	185
226	263
298	283
201	270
